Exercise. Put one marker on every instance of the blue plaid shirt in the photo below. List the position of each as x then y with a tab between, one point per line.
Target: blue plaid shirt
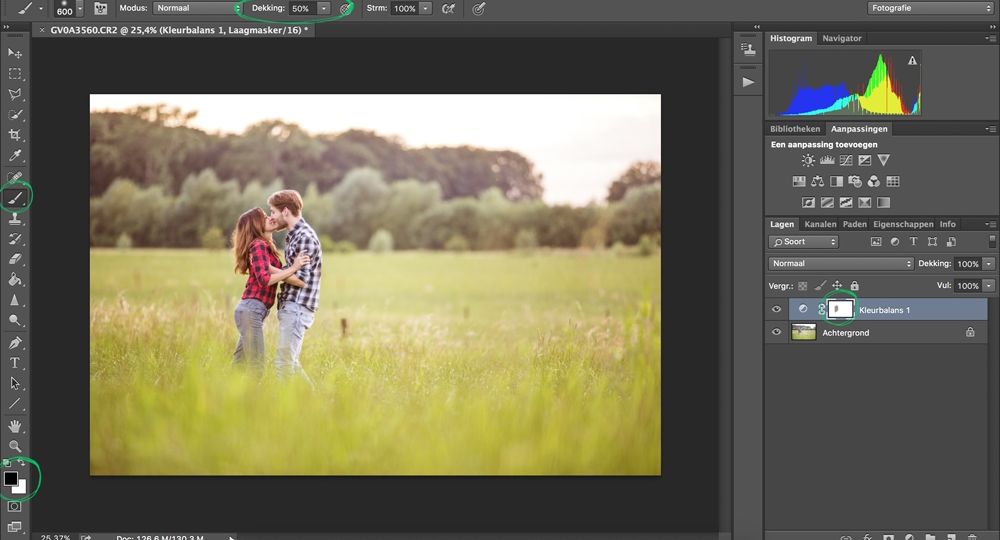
302	239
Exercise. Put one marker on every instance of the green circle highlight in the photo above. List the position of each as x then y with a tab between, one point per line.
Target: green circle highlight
237	9
34	492
857	307
31	196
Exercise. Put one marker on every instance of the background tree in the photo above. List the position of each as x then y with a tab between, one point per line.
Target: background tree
435	227
563	225
151	145
495	216
204	202
641	173
636	215
380	242
111	215
213	239
358	203
405	200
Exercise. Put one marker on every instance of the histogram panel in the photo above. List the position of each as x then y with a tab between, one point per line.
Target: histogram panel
845	83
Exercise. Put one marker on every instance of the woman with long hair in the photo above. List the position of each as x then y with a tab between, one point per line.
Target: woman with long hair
257	257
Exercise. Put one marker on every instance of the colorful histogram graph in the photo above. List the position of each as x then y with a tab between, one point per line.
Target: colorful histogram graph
852	83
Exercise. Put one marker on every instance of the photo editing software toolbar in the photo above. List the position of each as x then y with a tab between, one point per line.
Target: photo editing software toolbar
853	322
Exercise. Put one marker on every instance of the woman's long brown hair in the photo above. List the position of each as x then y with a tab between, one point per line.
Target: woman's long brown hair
249	227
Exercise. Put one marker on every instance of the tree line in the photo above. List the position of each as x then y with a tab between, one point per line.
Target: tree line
155	181
413	213
155	146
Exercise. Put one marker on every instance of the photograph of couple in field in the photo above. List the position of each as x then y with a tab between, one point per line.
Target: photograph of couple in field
257	256
470	287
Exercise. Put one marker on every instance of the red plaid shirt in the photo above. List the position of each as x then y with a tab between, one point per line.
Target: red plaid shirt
261	261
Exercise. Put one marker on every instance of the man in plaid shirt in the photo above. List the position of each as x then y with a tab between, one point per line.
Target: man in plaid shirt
296	305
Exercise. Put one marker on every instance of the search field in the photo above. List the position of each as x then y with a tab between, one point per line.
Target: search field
804	242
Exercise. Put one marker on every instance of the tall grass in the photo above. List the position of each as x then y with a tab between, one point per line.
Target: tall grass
465	364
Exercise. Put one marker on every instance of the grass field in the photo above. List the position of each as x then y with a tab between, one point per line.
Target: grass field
470	364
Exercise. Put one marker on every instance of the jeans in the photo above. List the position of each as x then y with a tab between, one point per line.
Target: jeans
250	315
293	321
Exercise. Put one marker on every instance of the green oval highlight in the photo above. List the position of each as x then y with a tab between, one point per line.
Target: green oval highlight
31	196
238	9
857	307
37	486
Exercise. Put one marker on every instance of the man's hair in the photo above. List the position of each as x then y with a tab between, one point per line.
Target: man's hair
286	198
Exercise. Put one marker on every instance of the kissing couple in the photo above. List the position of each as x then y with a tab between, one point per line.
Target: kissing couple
257	256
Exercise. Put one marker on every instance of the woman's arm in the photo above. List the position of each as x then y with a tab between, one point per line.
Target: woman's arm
259	265
292	279
278	275
288	274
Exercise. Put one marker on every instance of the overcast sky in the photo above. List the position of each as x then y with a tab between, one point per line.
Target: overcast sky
580	143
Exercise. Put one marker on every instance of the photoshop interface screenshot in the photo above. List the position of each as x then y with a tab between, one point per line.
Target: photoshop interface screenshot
500	268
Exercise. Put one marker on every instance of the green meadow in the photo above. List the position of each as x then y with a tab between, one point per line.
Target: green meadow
451	364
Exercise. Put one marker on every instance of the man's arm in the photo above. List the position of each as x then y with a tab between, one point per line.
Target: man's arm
310	246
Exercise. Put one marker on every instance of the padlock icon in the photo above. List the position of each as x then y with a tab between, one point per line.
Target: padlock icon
970	332
855	286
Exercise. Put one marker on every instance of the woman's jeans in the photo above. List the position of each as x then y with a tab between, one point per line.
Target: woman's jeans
250	315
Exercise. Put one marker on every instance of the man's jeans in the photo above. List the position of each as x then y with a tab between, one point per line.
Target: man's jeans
249	316
293	321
